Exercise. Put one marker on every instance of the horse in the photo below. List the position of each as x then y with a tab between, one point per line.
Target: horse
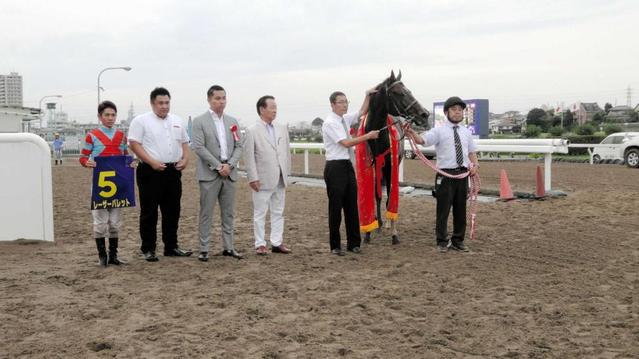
378	159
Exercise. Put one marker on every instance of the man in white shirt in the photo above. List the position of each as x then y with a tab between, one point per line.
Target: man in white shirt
160	142
456	153
268	164
217	144
339	174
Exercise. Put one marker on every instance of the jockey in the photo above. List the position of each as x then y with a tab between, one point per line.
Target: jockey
105	141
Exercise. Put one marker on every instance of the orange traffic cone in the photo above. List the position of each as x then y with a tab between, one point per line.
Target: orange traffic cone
541	188
505	192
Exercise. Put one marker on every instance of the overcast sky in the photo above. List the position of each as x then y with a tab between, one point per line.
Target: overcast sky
517	54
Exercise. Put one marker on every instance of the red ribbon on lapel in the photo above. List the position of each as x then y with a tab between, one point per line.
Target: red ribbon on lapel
236	137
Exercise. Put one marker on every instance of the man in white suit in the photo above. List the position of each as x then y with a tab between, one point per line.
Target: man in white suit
268	164
217	144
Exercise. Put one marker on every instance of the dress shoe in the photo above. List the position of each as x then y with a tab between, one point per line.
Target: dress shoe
337	252
261	251
442	249
203	257
177	252
280	249
232	253
150	257
459	247
356	250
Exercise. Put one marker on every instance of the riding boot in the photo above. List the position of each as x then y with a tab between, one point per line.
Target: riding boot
113	252
102	254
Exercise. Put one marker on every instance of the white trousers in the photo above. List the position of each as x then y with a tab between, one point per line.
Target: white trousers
269	201
106	222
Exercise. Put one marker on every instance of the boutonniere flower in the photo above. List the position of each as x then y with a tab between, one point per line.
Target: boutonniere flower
236	137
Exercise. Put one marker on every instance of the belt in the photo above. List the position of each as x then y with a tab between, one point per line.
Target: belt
167	164
457	169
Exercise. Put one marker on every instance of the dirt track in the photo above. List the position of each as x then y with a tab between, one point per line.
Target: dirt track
546	279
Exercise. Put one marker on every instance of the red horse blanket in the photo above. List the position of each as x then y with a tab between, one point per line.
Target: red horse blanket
369	178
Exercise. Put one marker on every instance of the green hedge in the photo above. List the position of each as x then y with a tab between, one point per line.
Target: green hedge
594	139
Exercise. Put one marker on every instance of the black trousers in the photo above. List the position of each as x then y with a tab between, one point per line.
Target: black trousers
161	189
451	193
341	187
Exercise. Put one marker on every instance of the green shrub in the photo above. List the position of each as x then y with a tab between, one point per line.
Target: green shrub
532	131
556	131
610	128
585	130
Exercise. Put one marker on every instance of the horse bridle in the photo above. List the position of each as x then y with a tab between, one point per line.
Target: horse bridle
401	113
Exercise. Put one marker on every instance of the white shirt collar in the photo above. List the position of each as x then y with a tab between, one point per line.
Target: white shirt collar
215	116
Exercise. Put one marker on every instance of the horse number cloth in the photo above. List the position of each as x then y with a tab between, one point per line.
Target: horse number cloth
113	183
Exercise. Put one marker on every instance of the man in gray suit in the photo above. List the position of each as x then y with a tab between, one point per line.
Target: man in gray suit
217	144
268	164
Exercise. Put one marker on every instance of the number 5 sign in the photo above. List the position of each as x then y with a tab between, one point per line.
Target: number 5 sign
113	183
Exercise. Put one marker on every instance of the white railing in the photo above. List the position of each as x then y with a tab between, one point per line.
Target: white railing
590	146
542	146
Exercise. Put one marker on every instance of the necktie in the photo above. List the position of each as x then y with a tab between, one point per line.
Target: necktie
459	154
271	131
348	136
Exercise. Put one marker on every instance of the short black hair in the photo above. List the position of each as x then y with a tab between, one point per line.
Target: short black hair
214	88
334	95
106	104
159	91
262	102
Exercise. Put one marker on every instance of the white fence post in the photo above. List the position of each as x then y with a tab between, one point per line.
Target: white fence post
547	171
305	162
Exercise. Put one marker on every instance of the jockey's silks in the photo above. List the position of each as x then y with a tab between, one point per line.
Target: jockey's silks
103	141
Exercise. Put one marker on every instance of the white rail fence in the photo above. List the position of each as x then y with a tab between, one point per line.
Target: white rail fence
590	147
545	147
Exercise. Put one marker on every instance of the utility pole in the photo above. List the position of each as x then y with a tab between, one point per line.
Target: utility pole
629	96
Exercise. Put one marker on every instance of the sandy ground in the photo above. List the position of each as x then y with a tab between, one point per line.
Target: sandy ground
545	279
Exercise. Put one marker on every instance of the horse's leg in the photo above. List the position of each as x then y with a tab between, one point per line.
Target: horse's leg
378	203
386	172
394	233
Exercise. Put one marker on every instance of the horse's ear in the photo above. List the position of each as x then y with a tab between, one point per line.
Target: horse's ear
392	76
399	76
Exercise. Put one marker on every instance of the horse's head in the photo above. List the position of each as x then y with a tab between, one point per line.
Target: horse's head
401	101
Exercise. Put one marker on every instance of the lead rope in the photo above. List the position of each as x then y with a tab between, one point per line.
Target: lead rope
473	192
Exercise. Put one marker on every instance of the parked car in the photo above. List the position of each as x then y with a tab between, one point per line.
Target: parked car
429	151
621	146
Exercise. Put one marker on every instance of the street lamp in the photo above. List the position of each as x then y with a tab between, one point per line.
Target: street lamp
125	68
40	106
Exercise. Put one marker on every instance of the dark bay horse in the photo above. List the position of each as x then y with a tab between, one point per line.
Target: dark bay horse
384	154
